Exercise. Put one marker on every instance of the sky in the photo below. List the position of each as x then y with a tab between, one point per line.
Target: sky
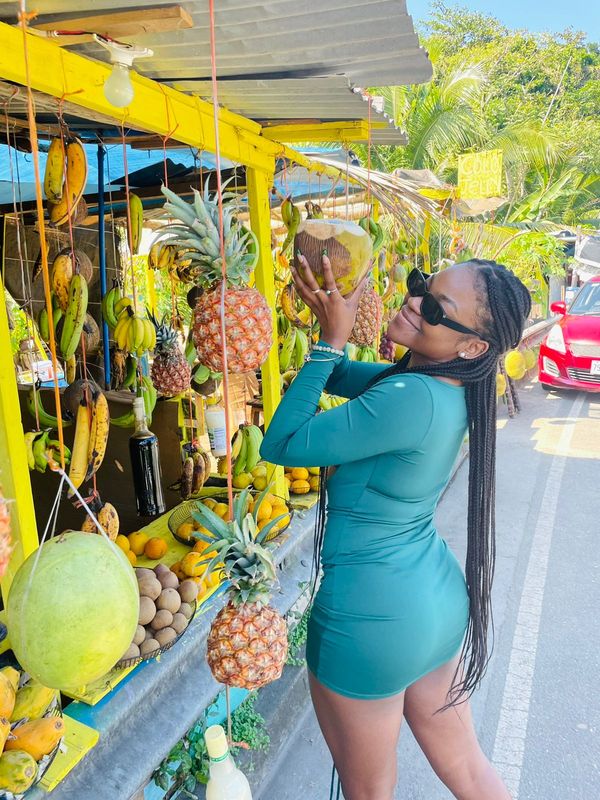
534	15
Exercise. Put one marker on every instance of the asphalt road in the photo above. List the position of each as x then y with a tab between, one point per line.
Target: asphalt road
538	711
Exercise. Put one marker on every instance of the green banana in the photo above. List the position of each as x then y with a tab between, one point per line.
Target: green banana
286	211
300	349
44	324
296	219
46	420
287	349
30	438
108	305
131	372
136	215
254	437
39	452
240	462
75	315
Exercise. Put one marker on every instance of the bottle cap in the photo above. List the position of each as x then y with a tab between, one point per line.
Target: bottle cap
216	742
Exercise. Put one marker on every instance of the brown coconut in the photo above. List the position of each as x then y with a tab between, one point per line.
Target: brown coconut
81	262
91	332
348	246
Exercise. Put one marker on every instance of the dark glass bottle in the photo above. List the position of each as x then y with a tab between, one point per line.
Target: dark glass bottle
145	465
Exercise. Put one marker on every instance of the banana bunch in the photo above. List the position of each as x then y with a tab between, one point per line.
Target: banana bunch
294	348
374	230
91	436
294	309
74	316
195	471
366	354
245	449
313	211
43	320
42	451
109	301
123	369
329	401
38	412
136	215
133	332
148	392
107	516
162	256
291	216
64	179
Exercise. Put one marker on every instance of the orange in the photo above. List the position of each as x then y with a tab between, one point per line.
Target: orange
122	542
192	566
214	579
299	474
184	531
200	546
264	511
137	542
209	503
132	557
155	548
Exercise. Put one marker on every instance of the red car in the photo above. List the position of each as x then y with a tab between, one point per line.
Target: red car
570	354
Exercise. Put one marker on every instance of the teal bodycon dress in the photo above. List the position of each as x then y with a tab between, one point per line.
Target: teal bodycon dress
392	605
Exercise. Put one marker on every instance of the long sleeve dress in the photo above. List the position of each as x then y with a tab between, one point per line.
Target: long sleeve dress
392	605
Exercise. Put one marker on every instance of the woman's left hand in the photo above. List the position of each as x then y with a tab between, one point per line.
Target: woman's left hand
336	314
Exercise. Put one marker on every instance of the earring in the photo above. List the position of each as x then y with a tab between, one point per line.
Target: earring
462	355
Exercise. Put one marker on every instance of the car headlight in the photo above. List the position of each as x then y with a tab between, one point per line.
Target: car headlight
556	340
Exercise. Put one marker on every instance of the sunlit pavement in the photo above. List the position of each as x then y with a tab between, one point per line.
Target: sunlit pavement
538	712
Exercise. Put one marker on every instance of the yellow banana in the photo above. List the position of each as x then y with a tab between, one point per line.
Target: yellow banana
109	519
54	175
79	455
71	369
154	256
98	435
60	278
75	180
236	445
139	333
136	214
120	332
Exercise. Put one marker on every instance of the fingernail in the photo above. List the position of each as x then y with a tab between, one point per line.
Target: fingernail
324	251
298	253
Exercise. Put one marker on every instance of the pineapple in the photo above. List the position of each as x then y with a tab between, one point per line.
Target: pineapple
368	318
171	373
248	318
247	643
5	537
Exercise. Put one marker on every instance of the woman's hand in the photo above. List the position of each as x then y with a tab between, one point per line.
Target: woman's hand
336	314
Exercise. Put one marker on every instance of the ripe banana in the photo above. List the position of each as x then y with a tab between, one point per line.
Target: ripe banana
30	438
199	474
98	435
75	180
136	215
54	175
121	304
75	316
236	444
79	457
60	278
107	516
71	369
289	302
187	478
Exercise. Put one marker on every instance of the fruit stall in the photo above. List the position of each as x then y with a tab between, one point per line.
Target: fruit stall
149	330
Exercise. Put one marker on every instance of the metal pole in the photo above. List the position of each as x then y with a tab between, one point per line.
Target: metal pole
102	263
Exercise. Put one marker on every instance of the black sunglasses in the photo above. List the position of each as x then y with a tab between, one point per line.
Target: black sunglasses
431	309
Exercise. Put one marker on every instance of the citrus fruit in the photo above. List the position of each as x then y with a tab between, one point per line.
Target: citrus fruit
191	564
132	557
209	503
221	510
137	542
299	474
260	471
300	487
264	511
314	483
184	531
122	542
242	481
155	548
260	483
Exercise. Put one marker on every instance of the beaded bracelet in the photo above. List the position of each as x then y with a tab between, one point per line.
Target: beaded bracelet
308	358
327	349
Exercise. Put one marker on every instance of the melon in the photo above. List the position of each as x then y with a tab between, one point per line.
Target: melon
514	364
348	246
72	610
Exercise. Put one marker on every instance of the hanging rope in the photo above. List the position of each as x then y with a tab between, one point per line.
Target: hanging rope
24	17
129	229
215	92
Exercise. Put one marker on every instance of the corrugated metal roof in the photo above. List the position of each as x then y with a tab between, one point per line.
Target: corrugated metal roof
277	60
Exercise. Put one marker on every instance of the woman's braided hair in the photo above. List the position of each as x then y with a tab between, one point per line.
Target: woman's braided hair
504	305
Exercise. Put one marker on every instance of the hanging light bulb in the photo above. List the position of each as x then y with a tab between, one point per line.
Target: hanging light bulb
118	88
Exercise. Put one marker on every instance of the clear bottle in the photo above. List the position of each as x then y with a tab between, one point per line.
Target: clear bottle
214	416
226	781
145	465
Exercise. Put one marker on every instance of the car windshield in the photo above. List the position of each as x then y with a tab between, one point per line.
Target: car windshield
587	301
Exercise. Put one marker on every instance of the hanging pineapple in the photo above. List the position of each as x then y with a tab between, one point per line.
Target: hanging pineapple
171	373
5	537
247	644
248	318
369	317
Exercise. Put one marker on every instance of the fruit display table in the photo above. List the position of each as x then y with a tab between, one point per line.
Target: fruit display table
146	713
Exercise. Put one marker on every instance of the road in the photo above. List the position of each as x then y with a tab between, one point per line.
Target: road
538	710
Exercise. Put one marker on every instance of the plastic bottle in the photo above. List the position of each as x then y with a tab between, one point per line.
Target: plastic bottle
226	781
145	465
214	416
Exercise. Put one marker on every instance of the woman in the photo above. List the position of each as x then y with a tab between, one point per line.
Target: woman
393	607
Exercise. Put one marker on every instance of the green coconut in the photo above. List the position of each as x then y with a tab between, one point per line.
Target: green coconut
348	246
73	614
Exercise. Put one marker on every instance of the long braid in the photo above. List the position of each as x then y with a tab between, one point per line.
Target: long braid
504	306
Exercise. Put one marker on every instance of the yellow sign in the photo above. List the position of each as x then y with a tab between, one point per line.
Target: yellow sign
480	175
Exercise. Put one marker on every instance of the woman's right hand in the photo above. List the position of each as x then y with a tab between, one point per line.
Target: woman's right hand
336	314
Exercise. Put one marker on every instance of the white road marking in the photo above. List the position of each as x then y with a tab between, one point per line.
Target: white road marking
509	746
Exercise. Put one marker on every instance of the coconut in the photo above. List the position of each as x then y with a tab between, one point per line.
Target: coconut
72	610
348	246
